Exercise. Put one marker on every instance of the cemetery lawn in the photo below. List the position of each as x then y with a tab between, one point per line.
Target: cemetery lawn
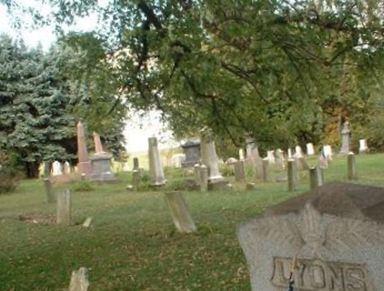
132	243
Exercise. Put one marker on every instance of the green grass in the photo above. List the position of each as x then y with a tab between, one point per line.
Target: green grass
132	244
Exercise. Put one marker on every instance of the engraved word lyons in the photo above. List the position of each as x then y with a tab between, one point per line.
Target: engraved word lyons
319	275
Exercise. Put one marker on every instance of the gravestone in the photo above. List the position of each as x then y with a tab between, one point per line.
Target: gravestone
290	155
291	175
101	162
84	164
253	158
64	207
203	178
363	147
265	164
239	171
314	178
191	150
280	160
241	154
327	150
155	166
345	138
310	149
180	213
136	163
271	157
351	161
79	280
57	168
330	238
51	198
298	152
210	159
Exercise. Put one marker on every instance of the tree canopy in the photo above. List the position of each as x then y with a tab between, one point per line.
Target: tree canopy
282	71
37	107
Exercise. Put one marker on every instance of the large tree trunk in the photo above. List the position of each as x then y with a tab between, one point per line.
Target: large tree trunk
32	169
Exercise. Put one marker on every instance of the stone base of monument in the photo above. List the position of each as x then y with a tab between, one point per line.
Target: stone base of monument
219	185
101	168
330	239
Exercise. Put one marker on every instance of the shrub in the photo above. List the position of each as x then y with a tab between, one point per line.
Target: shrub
82	186
9	175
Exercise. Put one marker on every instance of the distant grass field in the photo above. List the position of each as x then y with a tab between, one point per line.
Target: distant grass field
132	243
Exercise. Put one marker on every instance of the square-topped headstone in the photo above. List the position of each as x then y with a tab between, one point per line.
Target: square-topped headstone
191	150
330	239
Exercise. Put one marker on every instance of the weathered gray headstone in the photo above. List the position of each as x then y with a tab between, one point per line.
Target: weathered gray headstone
64	207
136	178
239	171
351	166
155	166
210	159
203	178
265	170
101	162
191	150
313	178
345	138
136	165
79	280
334	237
180	213
291	175
51	198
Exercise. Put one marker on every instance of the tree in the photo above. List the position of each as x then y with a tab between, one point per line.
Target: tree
37	116
237	66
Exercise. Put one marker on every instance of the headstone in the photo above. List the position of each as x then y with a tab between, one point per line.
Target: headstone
345	138
280	160
101	162
84	164
155	167
79	280
310	149
253	158
239	171
250	186
291	175
56	169
331	239
271	157
203	178
64	207
351	166
298	152
231	161
265	164
177	160
179	211
66	168
327	150
87	222
290	155
241	154
49	191
209	157
191	151
136	163
313	178
363	147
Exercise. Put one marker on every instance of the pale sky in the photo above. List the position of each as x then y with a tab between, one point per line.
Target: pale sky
137	129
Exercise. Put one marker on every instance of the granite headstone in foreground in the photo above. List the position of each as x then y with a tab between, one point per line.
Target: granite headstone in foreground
335	232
